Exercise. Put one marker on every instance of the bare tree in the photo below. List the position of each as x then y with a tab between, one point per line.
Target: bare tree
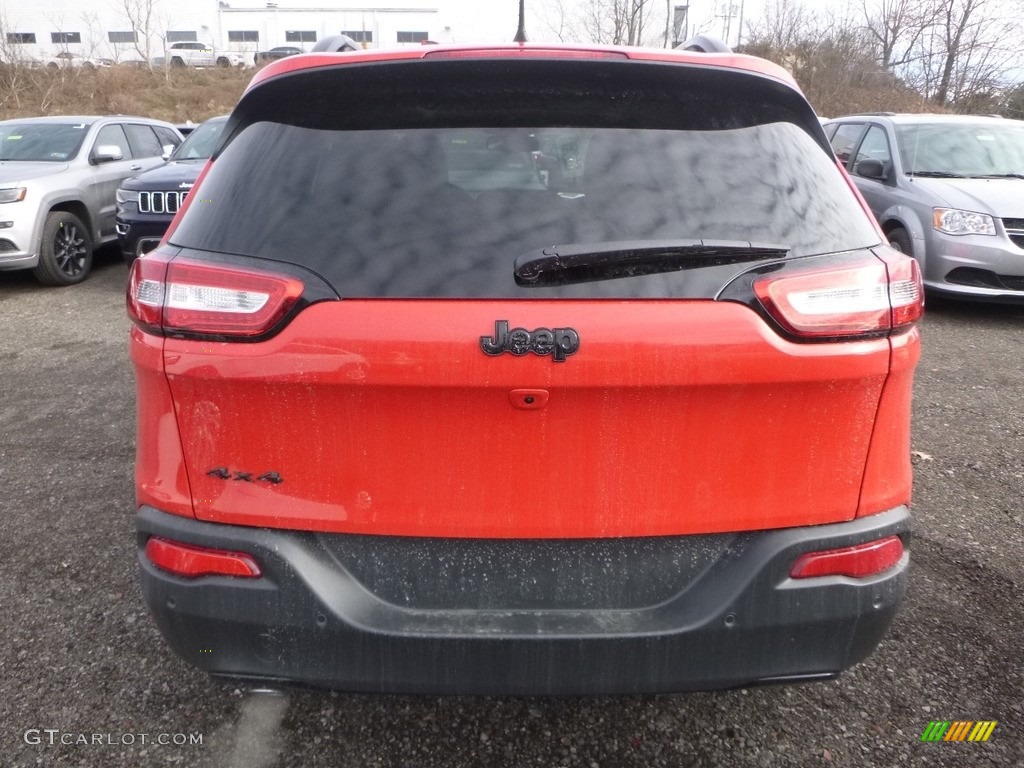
141	15
608	22
896	27
14	79
149	20
1012	102
966	55
784	26
831	56
960	37
617	22
557	20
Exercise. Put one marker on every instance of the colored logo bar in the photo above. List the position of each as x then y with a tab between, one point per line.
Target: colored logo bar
958	730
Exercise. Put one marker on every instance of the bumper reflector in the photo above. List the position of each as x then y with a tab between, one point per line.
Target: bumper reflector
191	562
856	562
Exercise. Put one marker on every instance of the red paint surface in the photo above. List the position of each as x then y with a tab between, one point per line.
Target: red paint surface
673	417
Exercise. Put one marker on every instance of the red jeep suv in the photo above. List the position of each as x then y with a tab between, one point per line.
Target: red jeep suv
523	369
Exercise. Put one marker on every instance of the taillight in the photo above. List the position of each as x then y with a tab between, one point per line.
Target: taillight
870	298
191	562
145	298
857	561
181	297
906	289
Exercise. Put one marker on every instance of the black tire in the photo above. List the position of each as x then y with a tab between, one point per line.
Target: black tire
223	62
899	239
65	253
177	62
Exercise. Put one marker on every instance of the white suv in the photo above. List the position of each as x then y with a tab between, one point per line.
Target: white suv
58	181
202	55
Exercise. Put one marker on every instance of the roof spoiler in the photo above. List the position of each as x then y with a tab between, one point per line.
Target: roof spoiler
704	44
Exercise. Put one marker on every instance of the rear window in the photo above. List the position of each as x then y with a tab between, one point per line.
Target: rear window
445	211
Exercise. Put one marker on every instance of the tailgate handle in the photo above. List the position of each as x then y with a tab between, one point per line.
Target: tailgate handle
528	399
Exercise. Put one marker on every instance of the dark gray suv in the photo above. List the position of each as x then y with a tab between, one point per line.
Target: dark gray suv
948	190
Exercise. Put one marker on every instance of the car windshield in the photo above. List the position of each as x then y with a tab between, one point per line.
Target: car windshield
962	150
448	211
41	142
201	142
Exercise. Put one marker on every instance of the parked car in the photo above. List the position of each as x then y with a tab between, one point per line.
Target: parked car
639	427
147	203
282	51
191	54
949	191
58	179
67	59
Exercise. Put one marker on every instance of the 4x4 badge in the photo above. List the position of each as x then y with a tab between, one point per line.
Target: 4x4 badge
557	342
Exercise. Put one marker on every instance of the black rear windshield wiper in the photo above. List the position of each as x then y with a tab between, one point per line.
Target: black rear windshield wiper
938	174
588	262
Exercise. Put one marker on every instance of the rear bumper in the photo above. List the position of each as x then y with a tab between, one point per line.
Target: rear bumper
364	613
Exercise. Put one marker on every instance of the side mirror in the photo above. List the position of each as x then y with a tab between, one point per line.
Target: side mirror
872	169
106	153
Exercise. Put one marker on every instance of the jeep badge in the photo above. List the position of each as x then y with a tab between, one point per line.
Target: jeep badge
557	342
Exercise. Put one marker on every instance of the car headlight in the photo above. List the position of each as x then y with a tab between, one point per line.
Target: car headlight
953	221
12	195
127	196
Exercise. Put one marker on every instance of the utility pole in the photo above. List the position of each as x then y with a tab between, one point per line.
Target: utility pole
680	24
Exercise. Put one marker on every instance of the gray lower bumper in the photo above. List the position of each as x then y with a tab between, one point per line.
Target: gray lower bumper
329	612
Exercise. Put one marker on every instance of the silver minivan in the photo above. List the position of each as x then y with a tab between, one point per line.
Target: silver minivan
946	189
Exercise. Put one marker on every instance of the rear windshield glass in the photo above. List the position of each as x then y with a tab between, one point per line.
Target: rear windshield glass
446	211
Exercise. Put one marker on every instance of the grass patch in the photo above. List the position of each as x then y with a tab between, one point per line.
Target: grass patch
176	95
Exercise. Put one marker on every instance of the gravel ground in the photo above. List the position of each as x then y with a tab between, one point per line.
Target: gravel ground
79	654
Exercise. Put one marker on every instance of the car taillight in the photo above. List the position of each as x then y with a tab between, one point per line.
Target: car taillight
906	290
182	297
191	562
856	562
871	298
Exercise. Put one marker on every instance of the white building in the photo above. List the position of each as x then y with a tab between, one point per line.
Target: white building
132	29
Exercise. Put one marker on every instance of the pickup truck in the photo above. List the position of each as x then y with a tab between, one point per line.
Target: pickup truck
190	54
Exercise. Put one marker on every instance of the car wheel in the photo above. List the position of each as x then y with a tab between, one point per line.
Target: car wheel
52	65
899	239
177	62
65	254
88	65
223	62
